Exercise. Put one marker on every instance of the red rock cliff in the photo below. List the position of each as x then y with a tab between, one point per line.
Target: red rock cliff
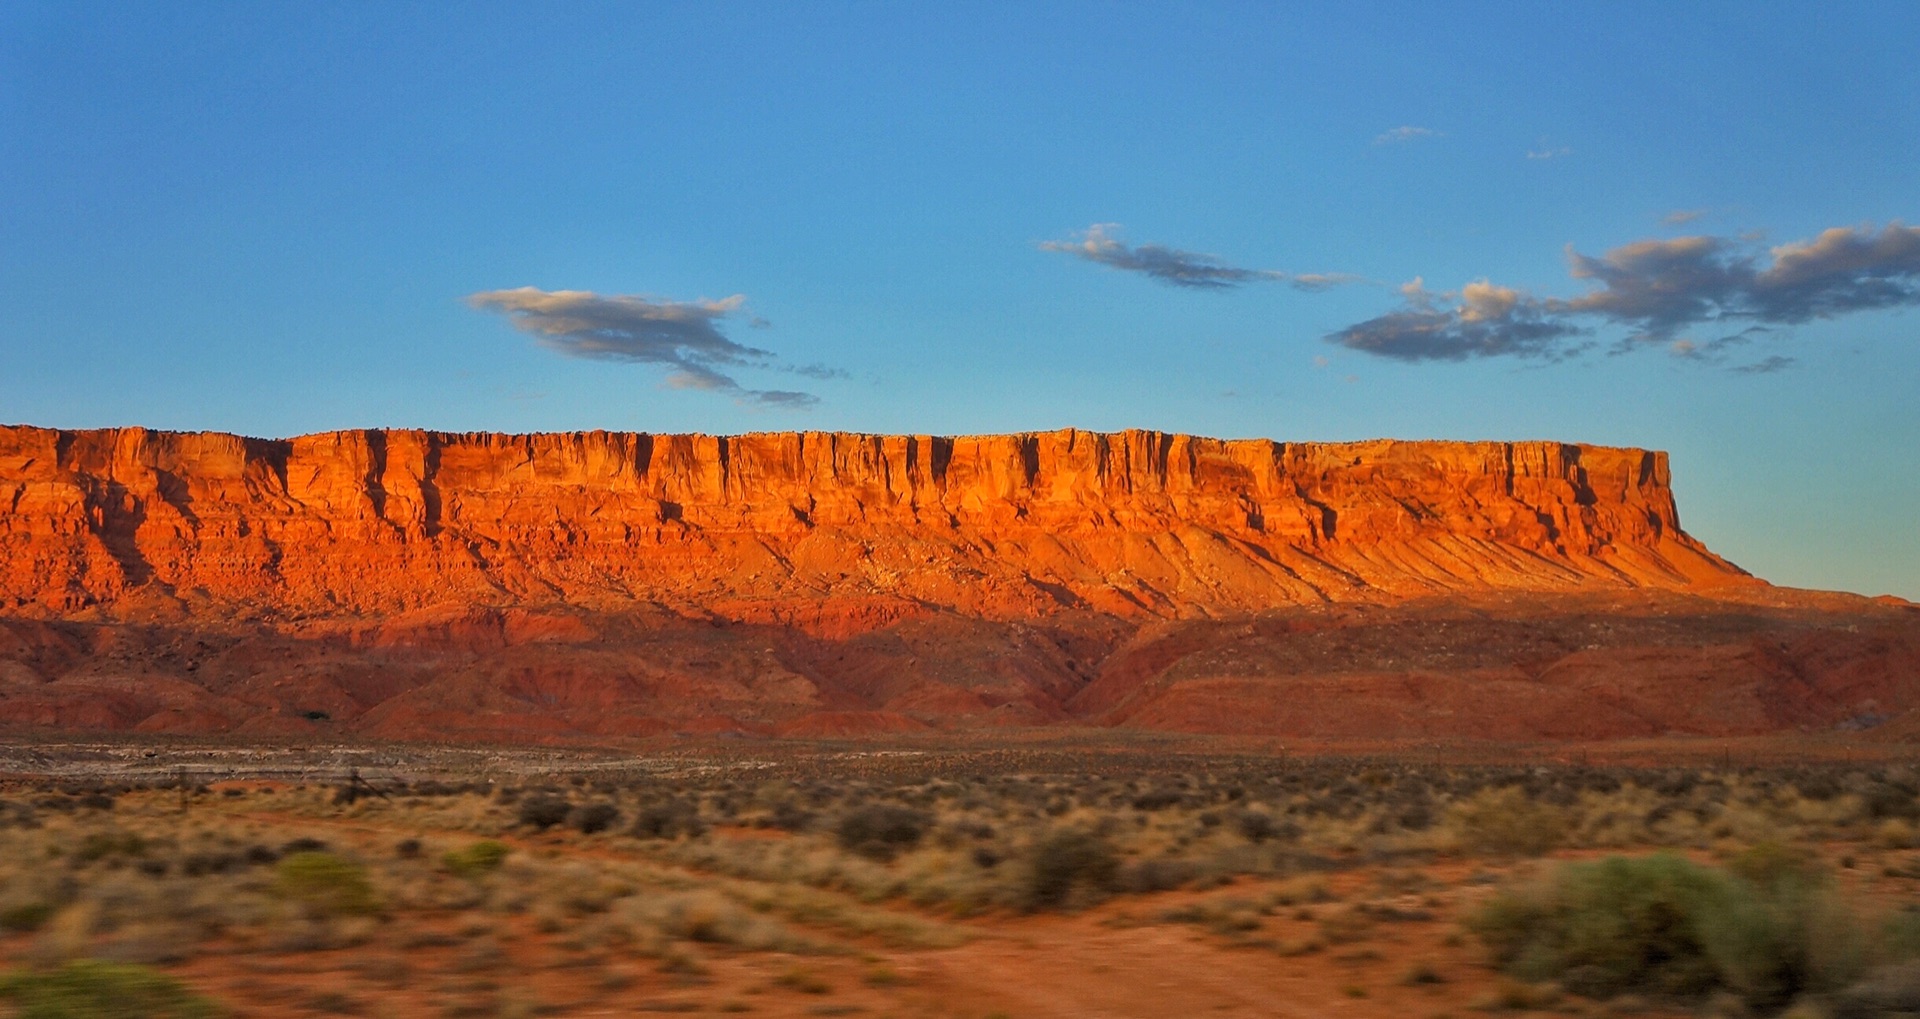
760	526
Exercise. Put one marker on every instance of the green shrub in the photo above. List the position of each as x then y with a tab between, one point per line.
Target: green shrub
88	989
326	884
482	857
1065	862
1663	925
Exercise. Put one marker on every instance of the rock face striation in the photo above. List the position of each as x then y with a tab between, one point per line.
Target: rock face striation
782	526
423	585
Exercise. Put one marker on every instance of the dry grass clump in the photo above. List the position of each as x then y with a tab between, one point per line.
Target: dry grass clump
1230	915
710	917
1507	821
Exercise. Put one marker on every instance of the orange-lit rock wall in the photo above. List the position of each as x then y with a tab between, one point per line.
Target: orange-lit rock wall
764	526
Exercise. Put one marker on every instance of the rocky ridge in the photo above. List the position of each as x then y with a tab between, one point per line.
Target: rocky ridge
408	585
782	526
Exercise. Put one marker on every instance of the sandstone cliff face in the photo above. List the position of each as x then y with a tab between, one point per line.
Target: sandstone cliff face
423	585
822	530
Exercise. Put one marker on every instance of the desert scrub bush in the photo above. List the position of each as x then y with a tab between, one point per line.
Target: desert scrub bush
798	860
25	917
1257	826
1768	930
326	884
577	888
543	810
787	815
86	989
803	980
1065	862
882	831
1228	916
483	857
711	918
592	818
101	845
668	819
1158	875
1507	821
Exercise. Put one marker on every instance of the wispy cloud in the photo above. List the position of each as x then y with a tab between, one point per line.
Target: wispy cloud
818	371
682	335
1766	367
1681	217
1405	133
1181	268
1659	291
1549	152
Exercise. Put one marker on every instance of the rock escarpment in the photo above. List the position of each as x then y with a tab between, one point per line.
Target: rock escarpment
422	585
819	529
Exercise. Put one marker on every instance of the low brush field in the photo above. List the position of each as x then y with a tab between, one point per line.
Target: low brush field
1013	883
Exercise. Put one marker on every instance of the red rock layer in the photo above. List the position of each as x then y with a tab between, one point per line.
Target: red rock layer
825	531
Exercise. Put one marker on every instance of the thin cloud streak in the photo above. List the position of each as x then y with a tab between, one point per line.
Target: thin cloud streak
1766	367
685	336
1182	268
1658	290
1405	133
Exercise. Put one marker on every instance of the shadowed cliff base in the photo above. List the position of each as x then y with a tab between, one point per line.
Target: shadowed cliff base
1568	669
399	585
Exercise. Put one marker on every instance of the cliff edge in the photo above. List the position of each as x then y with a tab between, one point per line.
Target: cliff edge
409	585
113	523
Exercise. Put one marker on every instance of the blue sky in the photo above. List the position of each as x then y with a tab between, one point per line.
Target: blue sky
277	218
